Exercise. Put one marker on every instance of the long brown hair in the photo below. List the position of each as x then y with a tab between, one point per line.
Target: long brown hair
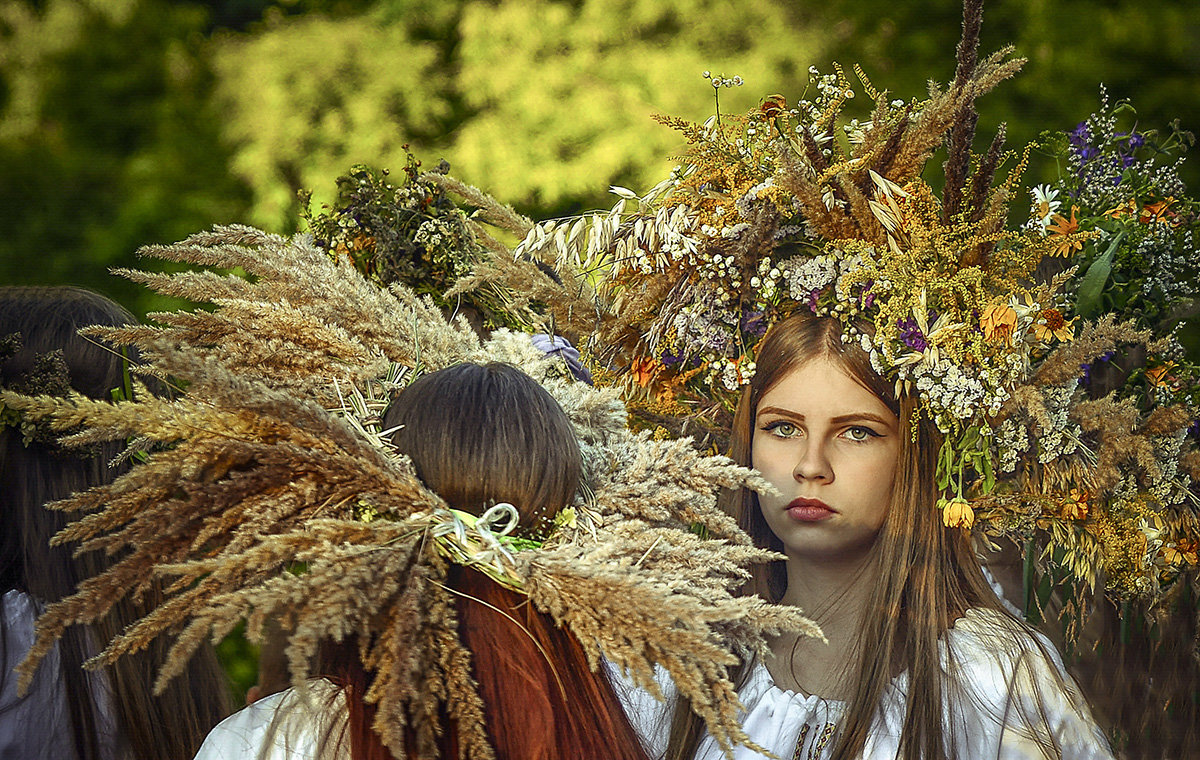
477	435
927	574
175	722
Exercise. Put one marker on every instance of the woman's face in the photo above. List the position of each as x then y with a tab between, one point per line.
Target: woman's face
830	446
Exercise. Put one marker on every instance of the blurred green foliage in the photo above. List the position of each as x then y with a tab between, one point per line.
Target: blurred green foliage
132	122
240	660
129	122
108	140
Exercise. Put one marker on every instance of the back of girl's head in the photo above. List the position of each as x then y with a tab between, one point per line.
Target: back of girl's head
34	473
47	319
479	434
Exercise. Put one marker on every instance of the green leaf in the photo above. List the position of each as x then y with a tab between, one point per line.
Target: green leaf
1092	284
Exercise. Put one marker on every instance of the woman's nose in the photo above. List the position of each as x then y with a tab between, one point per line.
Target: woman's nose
813	463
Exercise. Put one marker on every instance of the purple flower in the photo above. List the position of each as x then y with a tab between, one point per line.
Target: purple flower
1136	140
754	322
866	297
1086	377
669	359
1080	135
911	334
812	301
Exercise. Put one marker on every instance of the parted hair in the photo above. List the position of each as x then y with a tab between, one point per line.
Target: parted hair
480	433
925	575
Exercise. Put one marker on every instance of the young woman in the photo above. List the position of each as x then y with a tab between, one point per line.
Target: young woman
477	435
922	661
70	713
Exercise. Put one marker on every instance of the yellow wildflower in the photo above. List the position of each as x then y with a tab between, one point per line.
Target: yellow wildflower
1128	208
998	322
1052	324
957	513
1182	552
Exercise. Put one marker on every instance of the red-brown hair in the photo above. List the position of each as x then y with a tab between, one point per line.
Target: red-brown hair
542	701
480	434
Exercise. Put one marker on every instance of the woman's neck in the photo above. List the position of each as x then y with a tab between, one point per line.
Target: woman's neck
834	594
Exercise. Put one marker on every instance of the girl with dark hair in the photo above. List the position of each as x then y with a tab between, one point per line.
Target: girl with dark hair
921	658
478	436
67	712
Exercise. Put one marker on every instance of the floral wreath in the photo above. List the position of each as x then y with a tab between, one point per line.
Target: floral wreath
1007	336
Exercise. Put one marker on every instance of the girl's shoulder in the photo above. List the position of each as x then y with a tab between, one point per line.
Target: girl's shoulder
995	656
987	631
289	725
1007	680
773	717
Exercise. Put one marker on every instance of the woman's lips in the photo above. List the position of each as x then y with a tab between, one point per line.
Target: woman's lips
809	510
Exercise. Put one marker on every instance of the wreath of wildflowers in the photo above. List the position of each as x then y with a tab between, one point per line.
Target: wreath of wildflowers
998	328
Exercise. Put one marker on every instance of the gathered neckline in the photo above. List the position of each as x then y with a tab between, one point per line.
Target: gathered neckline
759	675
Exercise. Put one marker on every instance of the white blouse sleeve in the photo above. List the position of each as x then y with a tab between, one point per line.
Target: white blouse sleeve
775	719
1020	701
38	725
289	725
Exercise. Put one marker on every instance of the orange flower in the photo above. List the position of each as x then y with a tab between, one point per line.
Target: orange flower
1157	212
1128	208
1075	506
957	513
644	370
1160	376
1062	228
998	322
773	106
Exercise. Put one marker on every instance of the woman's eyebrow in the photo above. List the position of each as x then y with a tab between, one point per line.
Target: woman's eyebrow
863	417
781	412
839	420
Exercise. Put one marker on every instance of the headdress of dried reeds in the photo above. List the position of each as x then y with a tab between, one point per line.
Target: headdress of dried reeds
267	491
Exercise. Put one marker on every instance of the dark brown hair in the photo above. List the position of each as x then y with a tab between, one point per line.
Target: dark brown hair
477	435
174	723
926	575
482	433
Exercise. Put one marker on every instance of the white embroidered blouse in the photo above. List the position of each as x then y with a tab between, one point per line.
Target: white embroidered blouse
1009	705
